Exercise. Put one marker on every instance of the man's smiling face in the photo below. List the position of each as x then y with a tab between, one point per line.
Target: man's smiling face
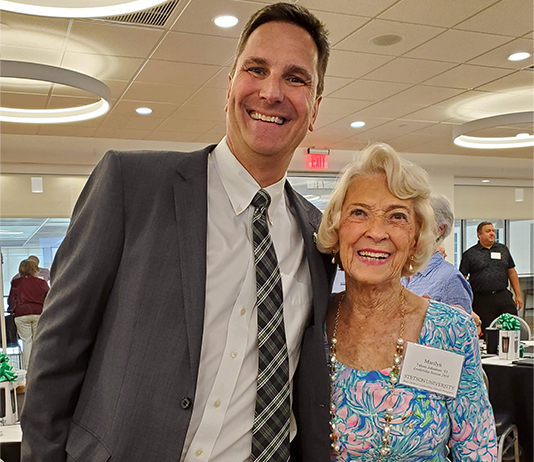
271	101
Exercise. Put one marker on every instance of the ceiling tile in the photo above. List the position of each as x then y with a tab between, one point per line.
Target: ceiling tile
18	129
194	48
423	95
112	39
209	97
195	112
66	130
187	126
153	92
440	129
403	143
130	134
159	110
332	84
407	70
353	145
467	77
324	137
445	14
518	81
332	109
219	80
499	56
23	100
33	31
438	114
32	55
353	7
215	135
353	65
369	90
136	122
413	36
393	129
457	46
198	17
178	73
339	26
387	110
510	17
102	67
159	135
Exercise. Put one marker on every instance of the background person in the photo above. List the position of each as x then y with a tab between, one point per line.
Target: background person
140	358
25	300
488	265
380	226
43	273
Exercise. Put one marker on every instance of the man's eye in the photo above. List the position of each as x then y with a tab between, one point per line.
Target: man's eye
255	70
296	80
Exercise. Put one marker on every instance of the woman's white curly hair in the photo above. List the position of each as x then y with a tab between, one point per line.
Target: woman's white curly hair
405	180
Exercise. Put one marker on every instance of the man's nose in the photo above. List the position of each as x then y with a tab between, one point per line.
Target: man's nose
272	89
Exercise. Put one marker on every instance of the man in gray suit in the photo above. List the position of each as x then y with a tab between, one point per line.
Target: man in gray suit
147	348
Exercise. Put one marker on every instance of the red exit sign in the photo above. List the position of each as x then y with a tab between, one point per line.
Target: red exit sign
317	161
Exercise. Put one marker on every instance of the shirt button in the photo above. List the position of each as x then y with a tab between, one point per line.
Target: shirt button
185	403
217	403
199	452
233	354
243	311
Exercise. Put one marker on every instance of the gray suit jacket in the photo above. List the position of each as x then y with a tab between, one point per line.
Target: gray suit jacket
115	360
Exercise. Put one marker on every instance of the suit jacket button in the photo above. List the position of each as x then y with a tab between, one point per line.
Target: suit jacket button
185	403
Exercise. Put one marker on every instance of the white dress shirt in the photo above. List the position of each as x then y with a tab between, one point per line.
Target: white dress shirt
223	409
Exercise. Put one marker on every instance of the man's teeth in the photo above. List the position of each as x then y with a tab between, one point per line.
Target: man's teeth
373	255
264	118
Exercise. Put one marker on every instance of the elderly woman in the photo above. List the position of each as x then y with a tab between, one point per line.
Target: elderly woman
379	225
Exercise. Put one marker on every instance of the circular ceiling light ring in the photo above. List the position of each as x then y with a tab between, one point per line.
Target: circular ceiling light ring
460	137
112	9
59	75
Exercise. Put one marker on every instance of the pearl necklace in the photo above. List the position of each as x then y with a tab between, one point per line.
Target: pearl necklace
385	448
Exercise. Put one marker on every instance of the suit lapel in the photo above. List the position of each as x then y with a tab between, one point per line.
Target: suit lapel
309	219
191	209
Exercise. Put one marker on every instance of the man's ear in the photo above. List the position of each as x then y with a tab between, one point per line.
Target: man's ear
228	92
315	112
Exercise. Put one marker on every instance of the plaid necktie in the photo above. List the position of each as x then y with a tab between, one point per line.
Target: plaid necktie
270	432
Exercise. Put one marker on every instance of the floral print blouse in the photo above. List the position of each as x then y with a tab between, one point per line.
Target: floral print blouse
425	424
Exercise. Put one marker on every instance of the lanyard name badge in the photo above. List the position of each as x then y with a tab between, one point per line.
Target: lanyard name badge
431	369
495	255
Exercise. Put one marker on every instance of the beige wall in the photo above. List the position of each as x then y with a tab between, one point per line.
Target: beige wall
57	200
492	203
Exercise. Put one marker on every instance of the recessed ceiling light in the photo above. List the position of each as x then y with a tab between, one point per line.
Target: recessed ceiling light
225	21
143	110
519	56
485	181
357	124
387	40
522	135
83	9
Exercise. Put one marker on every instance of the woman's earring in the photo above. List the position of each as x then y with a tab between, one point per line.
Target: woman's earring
411	263
334	259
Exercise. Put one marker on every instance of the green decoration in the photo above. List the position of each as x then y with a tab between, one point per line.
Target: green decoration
6	369
521	351
508	322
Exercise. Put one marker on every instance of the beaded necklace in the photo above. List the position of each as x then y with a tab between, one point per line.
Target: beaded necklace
385	448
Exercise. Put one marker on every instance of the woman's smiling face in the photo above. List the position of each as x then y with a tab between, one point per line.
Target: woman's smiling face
377	231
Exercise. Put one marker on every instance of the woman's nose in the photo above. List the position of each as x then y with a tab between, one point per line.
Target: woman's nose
376	228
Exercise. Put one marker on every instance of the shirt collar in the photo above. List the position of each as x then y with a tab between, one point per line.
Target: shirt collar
239	184
435	260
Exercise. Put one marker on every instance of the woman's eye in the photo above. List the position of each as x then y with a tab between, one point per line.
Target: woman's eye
399	216
358	213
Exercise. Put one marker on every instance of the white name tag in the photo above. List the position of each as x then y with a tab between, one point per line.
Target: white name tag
431	369
495	255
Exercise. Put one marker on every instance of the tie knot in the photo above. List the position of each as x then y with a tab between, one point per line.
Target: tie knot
261	199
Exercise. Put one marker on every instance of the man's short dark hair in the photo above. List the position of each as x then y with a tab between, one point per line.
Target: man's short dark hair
292	14
482	224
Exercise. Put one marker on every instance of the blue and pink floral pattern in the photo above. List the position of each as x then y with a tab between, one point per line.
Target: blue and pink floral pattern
424	424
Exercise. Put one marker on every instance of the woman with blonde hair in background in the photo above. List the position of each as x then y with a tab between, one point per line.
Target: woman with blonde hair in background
25	301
